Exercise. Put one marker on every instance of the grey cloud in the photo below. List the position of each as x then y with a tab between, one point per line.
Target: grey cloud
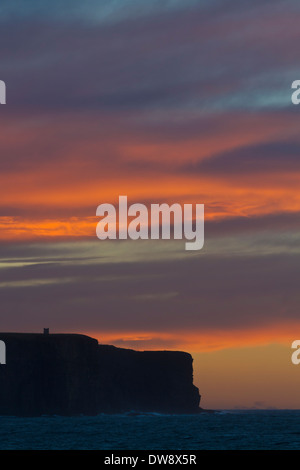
212	292
181	59
267	157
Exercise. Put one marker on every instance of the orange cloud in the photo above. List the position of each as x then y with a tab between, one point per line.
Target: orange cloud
202	341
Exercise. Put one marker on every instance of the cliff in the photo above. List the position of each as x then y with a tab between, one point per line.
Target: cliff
68	374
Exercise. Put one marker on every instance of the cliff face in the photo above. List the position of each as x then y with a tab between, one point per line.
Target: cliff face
160	381
53	374
72	374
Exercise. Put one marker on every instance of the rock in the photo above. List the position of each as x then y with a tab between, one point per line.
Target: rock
69	374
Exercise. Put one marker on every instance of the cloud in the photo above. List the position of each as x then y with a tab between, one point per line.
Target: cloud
156	102
92	10
222	55
270	157
175	297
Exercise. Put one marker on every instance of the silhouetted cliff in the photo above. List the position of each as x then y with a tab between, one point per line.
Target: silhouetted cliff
71	374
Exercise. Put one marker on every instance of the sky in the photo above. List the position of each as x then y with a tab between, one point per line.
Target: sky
163	101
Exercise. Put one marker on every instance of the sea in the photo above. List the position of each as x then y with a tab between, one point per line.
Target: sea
222	430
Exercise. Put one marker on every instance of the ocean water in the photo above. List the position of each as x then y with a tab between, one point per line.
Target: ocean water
229	430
